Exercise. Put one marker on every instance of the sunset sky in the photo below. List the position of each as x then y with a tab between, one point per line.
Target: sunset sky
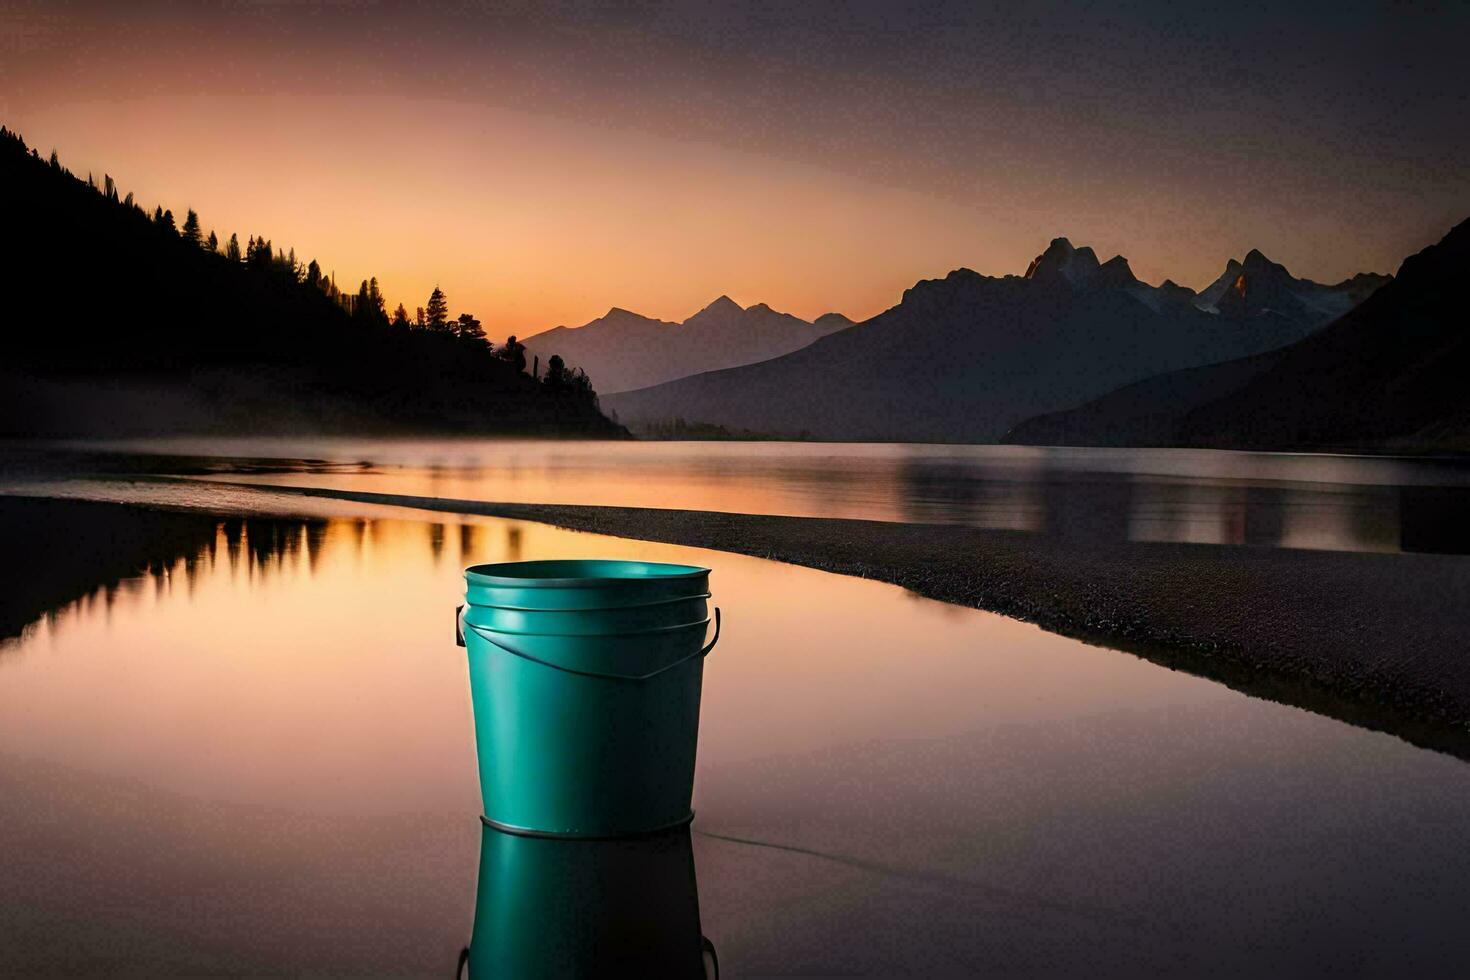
545	162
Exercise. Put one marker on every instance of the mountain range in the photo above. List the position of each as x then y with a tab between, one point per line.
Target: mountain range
967	357
1389	372
622	350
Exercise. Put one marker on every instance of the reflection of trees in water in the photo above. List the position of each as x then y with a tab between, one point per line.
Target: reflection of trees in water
113	549
1087	507
932	492
62	552
1264	515
1101	506
116	548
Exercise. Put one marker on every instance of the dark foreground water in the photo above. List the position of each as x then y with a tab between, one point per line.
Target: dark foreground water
258	759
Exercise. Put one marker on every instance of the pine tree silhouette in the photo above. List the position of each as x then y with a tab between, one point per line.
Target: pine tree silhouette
190	232
469	328
437	311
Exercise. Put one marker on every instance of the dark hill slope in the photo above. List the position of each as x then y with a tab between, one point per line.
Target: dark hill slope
1392	369
1145	413
114	325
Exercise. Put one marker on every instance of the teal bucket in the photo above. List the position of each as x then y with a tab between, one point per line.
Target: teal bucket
585	678
584	908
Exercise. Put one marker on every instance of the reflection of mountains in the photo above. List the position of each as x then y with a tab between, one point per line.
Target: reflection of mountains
1100	506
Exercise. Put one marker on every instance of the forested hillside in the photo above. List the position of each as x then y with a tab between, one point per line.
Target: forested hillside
125	321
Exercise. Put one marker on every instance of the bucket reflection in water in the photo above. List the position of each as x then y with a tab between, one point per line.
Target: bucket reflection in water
548	907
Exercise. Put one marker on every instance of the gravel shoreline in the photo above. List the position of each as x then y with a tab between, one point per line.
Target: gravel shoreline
1376	640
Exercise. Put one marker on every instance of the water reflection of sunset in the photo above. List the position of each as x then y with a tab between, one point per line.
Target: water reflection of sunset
298	661
279	714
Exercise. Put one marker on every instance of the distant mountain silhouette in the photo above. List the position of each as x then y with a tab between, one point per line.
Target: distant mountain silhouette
964	358
1390	372
1258	287
623	350
121	323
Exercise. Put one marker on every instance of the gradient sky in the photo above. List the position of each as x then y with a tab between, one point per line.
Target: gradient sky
546	161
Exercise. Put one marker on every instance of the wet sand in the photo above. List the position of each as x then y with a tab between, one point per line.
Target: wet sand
1377	640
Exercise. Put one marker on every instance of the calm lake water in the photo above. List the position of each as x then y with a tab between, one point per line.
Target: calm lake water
259	757
1258	499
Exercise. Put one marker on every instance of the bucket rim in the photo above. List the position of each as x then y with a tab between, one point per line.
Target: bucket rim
619	607
542	573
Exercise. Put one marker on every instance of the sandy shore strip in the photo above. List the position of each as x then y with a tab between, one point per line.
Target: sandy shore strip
1377	640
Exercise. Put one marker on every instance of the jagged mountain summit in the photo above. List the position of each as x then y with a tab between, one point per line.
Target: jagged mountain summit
1259	287
964	358
1388	373
622	350
1078	268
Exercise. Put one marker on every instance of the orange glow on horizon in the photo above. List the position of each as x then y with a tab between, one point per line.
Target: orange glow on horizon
530	222
543	175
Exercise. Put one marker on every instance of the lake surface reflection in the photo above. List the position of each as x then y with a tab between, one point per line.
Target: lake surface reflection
1258	499
258	758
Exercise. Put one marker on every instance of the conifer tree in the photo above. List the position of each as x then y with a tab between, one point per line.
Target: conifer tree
213	242
232	250
437	311
375	297
191	228
362	304
469	328
400	318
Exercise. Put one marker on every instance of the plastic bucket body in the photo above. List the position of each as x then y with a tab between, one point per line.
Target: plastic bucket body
593	622
587	731
582	908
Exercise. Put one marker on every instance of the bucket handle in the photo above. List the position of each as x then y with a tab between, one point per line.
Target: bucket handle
701	652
